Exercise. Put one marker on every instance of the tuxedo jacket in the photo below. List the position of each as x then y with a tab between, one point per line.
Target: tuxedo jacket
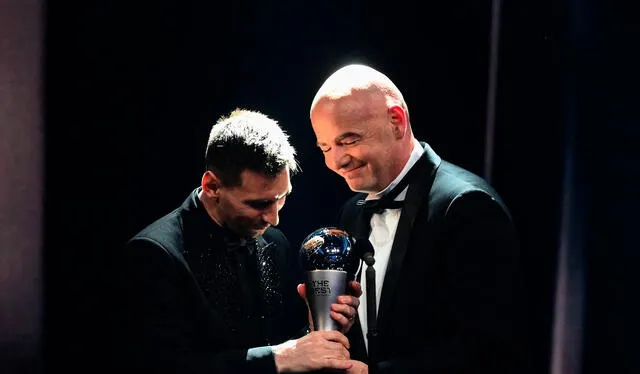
183	314
449	300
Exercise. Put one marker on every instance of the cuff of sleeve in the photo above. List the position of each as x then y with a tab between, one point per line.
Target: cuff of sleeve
261	357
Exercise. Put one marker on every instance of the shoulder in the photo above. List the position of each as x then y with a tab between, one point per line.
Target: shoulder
459	188
165	233
451	179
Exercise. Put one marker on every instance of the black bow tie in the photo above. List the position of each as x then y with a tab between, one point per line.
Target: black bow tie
387	201
379	205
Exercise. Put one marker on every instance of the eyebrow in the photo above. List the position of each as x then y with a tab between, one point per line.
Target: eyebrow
270	201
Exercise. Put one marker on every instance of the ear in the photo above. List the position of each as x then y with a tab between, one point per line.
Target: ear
210	184
398	119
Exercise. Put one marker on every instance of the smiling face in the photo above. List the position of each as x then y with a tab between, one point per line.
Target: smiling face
362	138
249	208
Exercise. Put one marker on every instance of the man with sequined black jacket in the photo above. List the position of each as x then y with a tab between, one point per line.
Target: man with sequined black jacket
212	286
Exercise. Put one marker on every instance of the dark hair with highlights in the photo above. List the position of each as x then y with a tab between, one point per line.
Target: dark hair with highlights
247	139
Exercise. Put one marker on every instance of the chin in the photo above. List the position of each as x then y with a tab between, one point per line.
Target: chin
358	187
353	183
355	187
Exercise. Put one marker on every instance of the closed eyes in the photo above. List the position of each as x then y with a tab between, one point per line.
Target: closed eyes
345	140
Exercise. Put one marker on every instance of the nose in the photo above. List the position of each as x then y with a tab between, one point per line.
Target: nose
336	158
270	215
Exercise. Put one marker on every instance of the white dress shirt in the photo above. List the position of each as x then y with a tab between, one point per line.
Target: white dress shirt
383	230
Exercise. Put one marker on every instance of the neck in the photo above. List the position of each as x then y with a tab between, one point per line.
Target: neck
406	148
398	166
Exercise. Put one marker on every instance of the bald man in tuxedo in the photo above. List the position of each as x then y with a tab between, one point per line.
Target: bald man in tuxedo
446	251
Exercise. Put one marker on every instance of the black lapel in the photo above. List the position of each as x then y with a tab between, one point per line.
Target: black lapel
350	219
360	228
419	187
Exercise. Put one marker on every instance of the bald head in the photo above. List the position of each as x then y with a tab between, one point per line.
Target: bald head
360	84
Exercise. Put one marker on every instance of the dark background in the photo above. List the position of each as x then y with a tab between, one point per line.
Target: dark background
130	91
152	78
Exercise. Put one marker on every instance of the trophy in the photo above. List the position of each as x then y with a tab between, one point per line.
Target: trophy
327	257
